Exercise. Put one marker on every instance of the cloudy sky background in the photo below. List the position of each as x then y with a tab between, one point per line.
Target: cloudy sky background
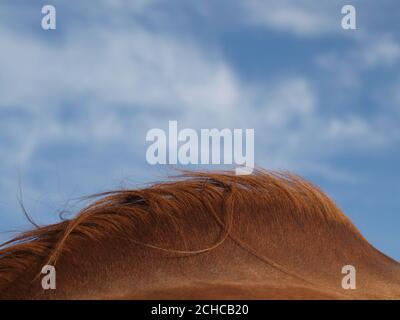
76	103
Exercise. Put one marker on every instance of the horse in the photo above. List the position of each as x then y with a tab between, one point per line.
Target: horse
201	235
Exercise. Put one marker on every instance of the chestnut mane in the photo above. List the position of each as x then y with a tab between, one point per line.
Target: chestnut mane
173	218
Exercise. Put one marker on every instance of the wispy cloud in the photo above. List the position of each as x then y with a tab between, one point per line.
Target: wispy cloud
100	75
302	17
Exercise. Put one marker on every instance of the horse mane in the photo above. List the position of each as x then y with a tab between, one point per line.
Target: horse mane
132	214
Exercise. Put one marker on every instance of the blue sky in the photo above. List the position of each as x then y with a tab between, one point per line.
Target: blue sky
76	102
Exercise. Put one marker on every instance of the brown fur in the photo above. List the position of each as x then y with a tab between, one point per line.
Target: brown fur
202	235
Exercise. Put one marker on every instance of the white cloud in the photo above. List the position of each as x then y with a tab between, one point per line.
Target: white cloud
372	50
301	17
355	64
135	67
294	99
109	73
382	50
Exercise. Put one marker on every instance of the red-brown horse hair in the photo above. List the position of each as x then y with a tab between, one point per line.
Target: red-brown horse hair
201	235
